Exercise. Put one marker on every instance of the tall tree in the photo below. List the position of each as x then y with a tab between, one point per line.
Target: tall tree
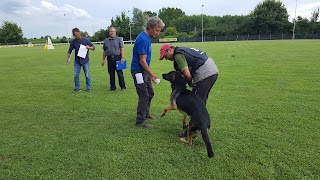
171	31
85	34
314	16
10	32
188	23
121	23
100	35
270	17
302	25
244	25
139	21
168	15
315	25
149	13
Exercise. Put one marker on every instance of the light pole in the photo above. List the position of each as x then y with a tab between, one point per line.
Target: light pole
65	21
92	30
202	22
130	31
130	23
294	21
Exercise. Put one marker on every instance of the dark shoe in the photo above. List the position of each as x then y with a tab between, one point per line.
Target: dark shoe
112	89
123	89
76	90
151	117
144	125
88	90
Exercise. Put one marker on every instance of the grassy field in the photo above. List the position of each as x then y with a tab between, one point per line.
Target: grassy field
265	112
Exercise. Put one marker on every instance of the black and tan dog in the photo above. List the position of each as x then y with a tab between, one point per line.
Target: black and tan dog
191	105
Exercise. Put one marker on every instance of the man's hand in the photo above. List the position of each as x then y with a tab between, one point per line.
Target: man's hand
122	60
187	76
68	57
88	47
102	63
144	64
154	78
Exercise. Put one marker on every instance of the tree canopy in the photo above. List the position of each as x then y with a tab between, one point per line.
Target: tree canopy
268	17
10	32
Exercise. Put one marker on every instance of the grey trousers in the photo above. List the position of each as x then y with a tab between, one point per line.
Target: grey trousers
145	94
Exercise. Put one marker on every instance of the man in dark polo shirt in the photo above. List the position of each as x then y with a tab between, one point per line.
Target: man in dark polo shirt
114	51
79	61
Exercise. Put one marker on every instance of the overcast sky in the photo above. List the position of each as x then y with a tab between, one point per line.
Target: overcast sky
41	17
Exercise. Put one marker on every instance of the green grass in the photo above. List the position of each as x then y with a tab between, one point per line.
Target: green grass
264	108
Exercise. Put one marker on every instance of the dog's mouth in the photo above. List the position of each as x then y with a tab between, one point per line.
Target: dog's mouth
165	76
168	77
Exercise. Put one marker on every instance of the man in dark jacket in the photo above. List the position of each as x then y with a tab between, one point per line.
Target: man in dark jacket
80	61
199	70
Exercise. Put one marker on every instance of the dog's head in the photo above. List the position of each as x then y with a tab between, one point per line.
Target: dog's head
175	77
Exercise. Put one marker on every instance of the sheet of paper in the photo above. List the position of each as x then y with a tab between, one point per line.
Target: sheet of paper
139	78
82	51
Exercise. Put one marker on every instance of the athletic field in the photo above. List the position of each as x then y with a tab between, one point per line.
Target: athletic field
265	113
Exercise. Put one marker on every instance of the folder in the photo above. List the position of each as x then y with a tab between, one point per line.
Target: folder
120	66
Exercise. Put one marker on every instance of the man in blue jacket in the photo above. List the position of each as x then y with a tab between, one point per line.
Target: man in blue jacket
79	61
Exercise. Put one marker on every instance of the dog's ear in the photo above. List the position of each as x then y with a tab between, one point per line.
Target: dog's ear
172	77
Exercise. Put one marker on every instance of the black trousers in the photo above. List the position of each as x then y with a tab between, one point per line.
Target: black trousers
112	69
204	87
145	94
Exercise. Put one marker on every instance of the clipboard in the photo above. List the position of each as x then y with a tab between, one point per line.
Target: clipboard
120	66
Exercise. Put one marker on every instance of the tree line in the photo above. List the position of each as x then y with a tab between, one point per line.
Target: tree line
268	17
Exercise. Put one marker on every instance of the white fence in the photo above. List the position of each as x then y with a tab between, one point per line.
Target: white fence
55	44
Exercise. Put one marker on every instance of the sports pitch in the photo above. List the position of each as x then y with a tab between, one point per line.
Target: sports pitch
265	113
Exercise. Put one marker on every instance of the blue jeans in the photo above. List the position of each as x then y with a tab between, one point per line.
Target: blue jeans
77	68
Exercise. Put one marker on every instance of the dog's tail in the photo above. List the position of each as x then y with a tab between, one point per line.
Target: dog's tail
205	137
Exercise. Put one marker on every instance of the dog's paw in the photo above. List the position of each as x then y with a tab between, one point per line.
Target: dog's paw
163	114
183	140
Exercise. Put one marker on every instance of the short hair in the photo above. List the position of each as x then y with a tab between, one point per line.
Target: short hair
74	30
111	27
154	22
